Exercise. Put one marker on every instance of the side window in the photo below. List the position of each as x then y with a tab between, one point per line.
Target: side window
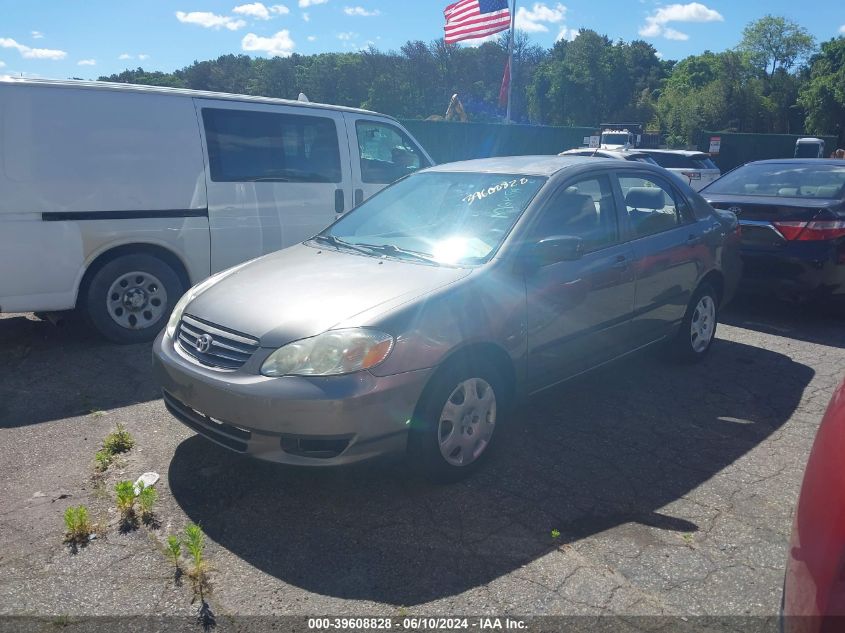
252	146
386	153
650	204
584	209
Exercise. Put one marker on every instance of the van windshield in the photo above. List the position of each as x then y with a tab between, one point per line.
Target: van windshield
441	217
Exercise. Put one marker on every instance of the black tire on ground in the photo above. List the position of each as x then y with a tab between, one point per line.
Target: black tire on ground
682	346
423	441
146	323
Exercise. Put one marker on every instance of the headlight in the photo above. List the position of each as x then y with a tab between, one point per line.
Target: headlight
330	354
193	293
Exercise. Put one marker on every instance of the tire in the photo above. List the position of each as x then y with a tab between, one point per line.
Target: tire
698	330
447	450
130	298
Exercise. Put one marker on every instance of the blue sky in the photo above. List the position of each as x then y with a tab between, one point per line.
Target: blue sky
61	38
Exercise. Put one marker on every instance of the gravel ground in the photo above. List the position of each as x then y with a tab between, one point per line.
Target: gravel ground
672	489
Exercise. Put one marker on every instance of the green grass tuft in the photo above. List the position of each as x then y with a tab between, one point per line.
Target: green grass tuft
118	441
77	525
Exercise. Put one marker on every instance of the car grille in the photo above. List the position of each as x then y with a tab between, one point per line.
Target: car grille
214	346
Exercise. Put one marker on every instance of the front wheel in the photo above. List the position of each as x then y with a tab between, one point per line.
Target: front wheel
456	421
698	329
129	299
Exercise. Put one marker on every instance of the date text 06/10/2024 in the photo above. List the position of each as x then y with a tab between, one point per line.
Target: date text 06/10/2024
416	624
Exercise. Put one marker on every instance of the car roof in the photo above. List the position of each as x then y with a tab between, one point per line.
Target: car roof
799	161
678	152
179	92
527	165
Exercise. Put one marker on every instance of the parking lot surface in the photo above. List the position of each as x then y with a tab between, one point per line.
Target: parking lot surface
671	487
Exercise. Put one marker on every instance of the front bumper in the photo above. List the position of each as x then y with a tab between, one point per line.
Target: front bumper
294	420
797	271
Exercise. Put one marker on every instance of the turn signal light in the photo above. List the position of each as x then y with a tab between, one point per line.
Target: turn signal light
812	231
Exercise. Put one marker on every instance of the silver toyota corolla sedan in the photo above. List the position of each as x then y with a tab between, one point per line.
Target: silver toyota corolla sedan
414	321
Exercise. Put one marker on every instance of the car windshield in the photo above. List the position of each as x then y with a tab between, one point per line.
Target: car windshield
783	181
443	217
614	139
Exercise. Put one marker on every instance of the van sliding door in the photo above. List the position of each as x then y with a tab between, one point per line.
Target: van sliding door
276	175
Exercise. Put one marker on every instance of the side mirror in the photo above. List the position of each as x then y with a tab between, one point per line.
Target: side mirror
554	249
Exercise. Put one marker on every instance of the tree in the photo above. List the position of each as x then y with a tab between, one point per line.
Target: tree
823	97
777	42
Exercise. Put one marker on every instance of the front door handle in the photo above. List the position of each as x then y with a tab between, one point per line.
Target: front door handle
620	263
339	201
359	196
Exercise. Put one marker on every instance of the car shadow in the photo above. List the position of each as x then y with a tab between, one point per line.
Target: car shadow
49	372
611	448
812	323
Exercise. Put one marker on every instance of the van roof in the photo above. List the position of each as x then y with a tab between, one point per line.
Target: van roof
180	92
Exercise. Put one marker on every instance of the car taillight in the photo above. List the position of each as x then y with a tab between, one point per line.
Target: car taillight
809	231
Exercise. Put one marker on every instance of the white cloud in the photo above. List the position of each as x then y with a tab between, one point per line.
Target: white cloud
32	53
566	34
306	16
312	38
210	20
37	35
280	44
361	11
143	56
531	20
842	29
656	24
2	64
125	56
87	62
259	11
345	37
303	4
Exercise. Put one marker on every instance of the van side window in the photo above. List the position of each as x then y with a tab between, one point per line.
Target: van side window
252	146
386	153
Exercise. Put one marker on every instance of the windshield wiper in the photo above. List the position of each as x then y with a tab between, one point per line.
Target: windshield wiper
391	250
341	244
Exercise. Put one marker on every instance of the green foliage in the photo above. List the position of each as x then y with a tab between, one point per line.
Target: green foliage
147	497
77	525
555	534
777	42
195	544
125	499
823	96
174	547
118	441
102	460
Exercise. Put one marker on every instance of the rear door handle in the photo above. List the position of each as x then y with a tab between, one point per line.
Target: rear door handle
620	263
359	196
339	201
694	239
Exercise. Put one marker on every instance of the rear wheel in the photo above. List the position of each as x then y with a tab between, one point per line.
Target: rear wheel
695	337
456	421
130	298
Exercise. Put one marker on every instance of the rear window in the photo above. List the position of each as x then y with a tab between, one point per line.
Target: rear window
253	146
783	181
703	163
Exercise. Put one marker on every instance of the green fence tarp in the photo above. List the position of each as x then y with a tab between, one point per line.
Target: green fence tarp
737	149
448	141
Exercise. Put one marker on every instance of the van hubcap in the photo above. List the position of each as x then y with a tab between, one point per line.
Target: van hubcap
136	300
467	422
703	324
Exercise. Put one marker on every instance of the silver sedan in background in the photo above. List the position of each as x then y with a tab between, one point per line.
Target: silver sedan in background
414	321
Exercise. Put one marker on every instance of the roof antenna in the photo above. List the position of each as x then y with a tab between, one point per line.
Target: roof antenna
303	98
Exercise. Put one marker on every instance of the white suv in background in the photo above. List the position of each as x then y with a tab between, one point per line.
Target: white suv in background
694	168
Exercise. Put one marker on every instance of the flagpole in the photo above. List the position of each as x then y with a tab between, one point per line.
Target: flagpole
510	62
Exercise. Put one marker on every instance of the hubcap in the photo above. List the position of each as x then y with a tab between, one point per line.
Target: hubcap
467	422
136	300
703	324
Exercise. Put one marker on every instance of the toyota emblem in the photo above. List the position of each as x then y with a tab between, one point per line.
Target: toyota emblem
204	343
736	210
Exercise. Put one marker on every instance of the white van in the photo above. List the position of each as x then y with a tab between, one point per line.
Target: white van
116	198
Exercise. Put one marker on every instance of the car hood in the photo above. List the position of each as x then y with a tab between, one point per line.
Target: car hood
303	291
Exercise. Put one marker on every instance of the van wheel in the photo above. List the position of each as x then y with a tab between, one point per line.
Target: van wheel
130	298
698	329
455	421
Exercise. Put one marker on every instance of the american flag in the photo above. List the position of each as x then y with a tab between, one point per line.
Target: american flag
471	19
